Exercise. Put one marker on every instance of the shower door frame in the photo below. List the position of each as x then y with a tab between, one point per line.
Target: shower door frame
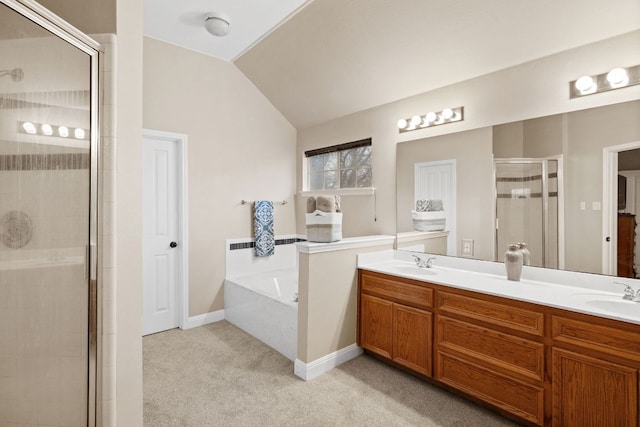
545	202
65	31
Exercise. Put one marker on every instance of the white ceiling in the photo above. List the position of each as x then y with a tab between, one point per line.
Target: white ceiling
181	22
331	58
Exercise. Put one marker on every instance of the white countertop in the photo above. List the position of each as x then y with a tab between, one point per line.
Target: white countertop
346	243
580	292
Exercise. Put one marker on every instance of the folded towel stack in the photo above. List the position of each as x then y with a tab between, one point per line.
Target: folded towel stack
430	205
324	219
324	204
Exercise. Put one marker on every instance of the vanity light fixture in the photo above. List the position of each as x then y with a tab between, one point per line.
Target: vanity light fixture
432	118
45	129
615	79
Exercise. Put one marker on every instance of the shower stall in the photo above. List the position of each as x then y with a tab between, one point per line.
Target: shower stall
528	208
48	219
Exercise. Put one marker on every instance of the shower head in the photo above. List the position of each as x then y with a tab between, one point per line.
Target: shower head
16	74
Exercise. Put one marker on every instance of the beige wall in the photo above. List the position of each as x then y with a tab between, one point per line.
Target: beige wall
536	138
89	16
497	98
474	182
327	305
508	140
128	250
239	147
588	132
361	215
543	137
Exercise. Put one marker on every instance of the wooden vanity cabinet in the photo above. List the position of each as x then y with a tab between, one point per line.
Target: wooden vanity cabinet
543	365
626	245
394	321
595	366
492	351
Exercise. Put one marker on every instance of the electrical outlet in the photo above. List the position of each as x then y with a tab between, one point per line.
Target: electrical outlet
467	247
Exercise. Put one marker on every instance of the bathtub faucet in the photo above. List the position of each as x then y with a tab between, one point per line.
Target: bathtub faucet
421	263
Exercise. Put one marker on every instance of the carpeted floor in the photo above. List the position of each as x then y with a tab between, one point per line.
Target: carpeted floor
217	375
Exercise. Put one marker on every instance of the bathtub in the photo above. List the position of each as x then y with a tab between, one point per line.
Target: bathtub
264	304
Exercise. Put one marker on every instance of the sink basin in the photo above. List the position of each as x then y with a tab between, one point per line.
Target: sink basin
411	270
613	305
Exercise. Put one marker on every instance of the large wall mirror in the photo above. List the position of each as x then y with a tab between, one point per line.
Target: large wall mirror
544	181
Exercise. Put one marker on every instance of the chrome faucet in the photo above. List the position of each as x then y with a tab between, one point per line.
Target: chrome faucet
629	293
421	263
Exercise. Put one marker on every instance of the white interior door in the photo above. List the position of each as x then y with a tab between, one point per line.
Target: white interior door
161	243
437	180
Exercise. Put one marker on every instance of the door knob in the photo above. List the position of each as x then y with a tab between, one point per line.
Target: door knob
173	244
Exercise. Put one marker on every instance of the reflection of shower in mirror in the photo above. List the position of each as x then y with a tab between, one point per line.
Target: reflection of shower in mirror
16	74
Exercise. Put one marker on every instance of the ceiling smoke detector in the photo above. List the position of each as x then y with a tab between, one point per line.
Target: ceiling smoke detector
217	24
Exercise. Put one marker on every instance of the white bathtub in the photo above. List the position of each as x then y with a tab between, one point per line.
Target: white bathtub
265	305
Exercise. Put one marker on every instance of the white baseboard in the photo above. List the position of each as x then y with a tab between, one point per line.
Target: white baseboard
203	319
311	370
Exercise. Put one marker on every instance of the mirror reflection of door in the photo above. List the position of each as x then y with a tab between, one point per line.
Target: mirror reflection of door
437	181
628	259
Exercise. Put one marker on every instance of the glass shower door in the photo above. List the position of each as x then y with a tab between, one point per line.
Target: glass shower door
46	116
527	208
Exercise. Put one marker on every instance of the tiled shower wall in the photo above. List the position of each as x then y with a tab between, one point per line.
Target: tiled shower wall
63	182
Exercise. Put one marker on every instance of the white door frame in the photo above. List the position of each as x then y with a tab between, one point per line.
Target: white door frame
610	205
182	284
452	223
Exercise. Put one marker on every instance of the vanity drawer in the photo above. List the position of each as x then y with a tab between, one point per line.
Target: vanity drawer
386	287
516	397
621	341
503	352
508	316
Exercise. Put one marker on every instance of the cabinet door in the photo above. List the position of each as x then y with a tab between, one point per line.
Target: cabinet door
593	392
412	338
376	325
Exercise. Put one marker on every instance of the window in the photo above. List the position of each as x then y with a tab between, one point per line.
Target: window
340	166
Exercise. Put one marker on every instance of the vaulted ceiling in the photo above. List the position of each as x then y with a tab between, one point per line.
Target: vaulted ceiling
330	58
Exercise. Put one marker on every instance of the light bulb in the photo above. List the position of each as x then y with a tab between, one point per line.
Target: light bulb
29	128
79	133
431	117
402	123
447	113
618	77
585	84
47	129
63	131
416	120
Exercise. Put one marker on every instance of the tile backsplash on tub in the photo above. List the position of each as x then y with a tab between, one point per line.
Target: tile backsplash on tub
241	259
